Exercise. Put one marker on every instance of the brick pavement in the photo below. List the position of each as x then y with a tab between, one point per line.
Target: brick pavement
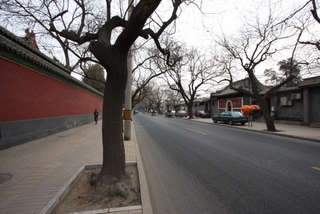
40	168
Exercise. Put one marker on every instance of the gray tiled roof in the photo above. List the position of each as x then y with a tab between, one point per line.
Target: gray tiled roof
241	83
310	82
23	47
292	88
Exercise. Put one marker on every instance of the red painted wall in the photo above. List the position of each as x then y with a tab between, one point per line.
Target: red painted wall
26	94
236	103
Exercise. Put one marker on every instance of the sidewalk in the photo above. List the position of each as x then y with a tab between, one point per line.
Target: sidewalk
40	168
295	131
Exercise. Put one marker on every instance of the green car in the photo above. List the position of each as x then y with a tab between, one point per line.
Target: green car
231	117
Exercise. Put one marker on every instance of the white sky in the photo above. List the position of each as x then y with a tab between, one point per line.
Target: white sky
200	29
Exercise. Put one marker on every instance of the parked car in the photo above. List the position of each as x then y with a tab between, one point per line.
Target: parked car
170	113
181	114
231	117
203	114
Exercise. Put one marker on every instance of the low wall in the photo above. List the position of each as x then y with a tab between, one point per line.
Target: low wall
18	132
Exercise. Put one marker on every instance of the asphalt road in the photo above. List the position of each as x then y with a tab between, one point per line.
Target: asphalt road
205	168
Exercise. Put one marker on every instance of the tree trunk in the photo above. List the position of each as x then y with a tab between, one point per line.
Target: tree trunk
113	166
263	106
190	112
266	114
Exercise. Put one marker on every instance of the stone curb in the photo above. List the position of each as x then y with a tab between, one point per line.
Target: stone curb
70	183
144	191
110	210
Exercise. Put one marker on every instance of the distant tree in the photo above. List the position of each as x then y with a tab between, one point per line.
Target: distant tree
289	67
189	74
158	98
173	98
258	42
142	75
94	76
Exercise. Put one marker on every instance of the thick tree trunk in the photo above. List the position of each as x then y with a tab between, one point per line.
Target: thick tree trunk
190	113
263	106
266	115
113	166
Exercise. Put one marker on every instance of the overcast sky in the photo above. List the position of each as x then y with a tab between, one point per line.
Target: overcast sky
227	16
200	28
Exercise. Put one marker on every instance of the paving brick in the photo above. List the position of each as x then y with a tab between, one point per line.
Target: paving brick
41	167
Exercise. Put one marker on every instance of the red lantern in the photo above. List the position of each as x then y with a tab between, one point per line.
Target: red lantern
246	110
250	109
255	107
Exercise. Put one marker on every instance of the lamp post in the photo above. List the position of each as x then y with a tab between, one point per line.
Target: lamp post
127	105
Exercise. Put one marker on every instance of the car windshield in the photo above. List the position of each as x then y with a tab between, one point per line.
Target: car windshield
237	114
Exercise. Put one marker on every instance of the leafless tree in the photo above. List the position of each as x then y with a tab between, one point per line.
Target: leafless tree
257	43
78	27
173	98
39	14
191	72
142	74
314	41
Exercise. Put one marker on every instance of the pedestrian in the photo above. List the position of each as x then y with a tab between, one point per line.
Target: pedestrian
96	115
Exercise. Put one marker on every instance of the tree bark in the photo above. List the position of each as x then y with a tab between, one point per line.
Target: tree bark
264	109
266	114
190	112
113	166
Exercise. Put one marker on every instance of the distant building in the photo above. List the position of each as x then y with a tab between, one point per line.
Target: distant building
299	103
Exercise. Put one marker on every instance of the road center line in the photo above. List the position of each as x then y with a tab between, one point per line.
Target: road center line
196	131
316	168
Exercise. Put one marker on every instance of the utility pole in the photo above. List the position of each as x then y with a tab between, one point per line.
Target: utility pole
128	113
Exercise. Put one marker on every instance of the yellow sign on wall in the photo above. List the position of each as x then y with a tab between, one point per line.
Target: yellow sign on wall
127	115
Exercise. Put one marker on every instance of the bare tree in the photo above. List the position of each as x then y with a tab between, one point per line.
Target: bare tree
314	11
257	43
150	101
158	98
190	74
142	74
109	43
172	98
39	15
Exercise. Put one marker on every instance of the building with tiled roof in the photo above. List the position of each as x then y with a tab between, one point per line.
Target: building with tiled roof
228	99
295	104
310	82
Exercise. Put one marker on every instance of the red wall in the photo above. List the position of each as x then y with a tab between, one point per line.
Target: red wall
26	94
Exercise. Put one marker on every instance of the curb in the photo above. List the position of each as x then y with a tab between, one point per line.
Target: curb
70	183
144	191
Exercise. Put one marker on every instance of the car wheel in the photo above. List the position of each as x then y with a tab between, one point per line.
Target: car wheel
215	121
243	123
230	122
